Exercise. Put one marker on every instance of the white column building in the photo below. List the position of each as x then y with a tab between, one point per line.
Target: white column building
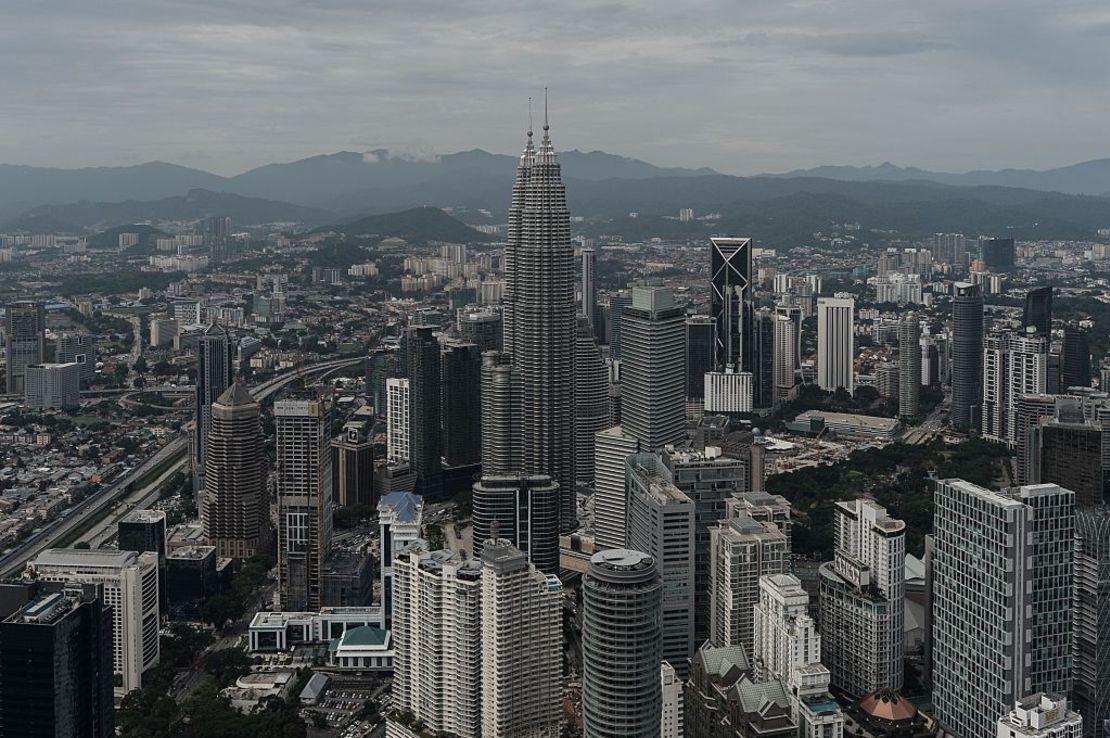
612	448
1041	716
741	550
397	419
671	725
836	342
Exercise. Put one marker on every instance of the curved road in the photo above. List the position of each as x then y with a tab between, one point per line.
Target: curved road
72	518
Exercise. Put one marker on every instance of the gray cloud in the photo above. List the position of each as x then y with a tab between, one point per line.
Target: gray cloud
741	85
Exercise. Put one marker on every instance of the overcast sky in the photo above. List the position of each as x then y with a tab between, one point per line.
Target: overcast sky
743	86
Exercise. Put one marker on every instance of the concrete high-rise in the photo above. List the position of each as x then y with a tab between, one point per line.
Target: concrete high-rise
1001	600
621	638
523	510
540	318
731	301
49	386
423	369
235	509
612	448
522	646
591	400
1038	310
1014	364
653	391
589	285
785	358
354	464
437	632
909	365
398	423
25	330
80	349
836	343
1091	620
863	593
741	550
700	351
214	373
501	422
967	353
661	524
304	500
56	666
129	585
462	404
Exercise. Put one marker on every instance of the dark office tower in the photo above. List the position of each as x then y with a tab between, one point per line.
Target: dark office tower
1071	456
353	479
541	272
459	296
217	236
462	404
520	509
997	254
763	381
79	349
56	666
214	372
501	408
482	327
591	400
653	396
26	334
730	274
422	354
381	365
234	503
589	284
1038	310
909	365
621	646
617	305
1028	411
143	530
1091	620
699	354
967	353
1075	359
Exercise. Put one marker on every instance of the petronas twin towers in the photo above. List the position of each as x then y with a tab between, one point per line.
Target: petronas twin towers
539	318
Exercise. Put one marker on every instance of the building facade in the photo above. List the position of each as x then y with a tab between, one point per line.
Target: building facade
1091	620
52	386
612	448
523	510
741	550
653	393
836	343
235	511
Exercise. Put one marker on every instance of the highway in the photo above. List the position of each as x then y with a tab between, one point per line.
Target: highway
117	494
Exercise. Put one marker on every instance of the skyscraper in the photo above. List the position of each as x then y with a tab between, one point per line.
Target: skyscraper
763	380
589	285
51	385
523	510
1028	411
967	353
398	423
1002	590
836	343
621	637
785	358
522	646
235	509
26	336
381	365
1069	452
214	372
612	448
501	408
1014	364
591	400
700	352
909	365
741	550
304	500
1091	620
863	599
482	327
423	361
731	301
617	304
1038	310
1075	359
661	524
539	318
354	464
56	666
80	349
462	404
997	253
653	393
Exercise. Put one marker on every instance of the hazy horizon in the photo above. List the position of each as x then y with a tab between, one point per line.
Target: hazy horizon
745	88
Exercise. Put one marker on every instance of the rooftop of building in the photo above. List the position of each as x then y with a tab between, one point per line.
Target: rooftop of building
404	506
361	637
145	516
192	553
106	558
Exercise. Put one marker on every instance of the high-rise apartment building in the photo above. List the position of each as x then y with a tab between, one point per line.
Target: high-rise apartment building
49	386
423	369
700	352
1014	364
462	404
26	335
214	373
522	646
741	550
304	500
56	666
836	343
591	400
235	509
437	632
589	285
128	584
354	464
863	593
502	405
661	524
540	319
1038	310
909	365
653	392
80	349
398	423
967	354
523	510
1001	567
1041	716
621	638
785	359
611	450
1091	620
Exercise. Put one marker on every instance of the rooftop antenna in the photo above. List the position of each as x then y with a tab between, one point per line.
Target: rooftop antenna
545	126
529	116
